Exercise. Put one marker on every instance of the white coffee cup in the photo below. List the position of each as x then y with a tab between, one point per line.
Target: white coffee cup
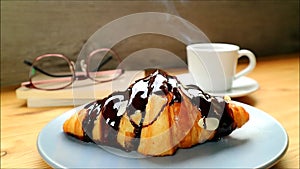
213	65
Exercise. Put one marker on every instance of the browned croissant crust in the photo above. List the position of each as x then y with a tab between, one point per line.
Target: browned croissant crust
155	116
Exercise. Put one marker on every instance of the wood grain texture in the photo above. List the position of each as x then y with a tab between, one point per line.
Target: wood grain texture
278	95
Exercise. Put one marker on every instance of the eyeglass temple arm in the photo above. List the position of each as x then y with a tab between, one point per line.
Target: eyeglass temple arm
106	60
44	72
103	73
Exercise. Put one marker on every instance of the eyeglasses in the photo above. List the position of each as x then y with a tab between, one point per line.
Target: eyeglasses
56	71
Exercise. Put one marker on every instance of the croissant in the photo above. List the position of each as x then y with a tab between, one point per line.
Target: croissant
155	116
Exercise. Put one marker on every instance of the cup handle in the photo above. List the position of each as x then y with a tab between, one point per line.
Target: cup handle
250	67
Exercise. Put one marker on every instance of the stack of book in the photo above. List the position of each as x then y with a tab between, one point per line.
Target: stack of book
80	92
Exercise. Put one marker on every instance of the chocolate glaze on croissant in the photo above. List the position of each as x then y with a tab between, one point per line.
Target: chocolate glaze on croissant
155	116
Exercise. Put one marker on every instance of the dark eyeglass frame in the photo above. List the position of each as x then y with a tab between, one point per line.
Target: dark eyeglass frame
74	76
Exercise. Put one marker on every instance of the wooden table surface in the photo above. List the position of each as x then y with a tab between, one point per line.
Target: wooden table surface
278	95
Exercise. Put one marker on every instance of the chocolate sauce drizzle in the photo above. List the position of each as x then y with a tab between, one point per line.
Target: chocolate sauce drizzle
137	95
216	107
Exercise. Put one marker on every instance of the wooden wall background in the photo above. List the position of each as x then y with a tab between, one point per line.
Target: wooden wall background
32	28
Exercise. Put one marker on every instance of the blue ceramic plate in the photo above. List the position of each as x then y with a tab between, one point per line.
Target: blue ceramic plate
260	143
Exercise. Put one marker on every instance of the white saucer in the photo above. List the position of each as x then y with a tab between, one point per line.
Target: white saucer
240	87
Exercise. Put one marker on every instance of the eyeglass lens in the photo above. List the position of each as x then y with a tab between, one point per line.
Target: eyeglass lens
51	72
98	70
